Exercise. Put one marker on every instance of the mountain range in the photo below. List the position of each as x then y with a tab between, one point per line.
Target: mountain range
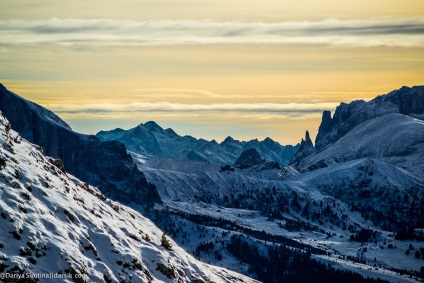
351	203
152	141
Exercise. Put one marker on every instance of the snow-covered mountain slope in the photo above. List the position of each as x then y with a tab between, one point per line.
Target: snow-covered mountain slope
322	209
386	195
336	199
371	186
51	222
406	101
394	138
104	164
151	140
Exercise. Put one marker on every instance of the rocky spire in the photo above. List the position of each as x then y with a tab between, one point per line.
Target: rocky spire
306	148
308	141
325	128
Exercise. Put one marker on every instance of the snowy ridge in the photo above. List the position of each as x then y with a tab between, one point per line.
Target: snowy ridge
53	223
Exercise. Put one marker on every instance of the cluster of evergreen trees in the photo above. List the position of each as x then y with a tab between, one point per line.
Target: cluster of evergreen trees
285	264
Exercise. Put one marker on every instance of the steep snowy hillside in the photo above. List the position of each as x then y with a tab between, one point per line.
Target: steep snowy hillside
151	140
52	224
104	164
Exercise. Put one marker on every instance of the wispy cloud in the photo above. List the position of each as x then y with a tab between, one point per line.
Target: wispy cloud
134	108
110	32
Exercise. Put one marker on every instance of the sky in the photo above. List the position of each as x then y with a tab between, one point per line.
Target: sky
210	69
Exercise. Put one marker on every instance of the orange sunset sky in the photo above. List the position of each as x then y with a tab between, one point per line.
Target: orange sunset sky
245	68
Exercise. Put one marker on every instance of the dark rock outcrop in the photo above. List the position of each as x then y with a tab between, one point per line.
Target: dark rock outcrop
249	158
104	164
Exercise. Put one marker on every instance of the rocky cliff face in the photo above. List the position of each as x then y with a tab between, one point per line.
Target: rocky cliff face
406	101
104	164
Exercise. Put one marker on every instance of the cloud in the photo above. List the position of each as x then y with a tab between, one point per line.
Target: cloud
243	109
110	32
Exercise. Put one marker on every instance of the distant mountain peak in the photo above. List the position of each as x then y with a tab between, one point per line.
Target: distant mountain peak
270	142
228	139
152	126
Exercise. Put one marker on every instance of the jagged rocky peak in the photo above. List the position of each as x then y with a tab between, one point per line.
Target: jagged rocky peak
306	149
326	122
307	141
408	100
268	140
228	139
249	158
270	143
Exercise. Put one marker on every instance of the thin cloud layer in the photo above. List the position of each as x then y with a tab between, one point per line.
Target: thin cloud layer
110	32
143	107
